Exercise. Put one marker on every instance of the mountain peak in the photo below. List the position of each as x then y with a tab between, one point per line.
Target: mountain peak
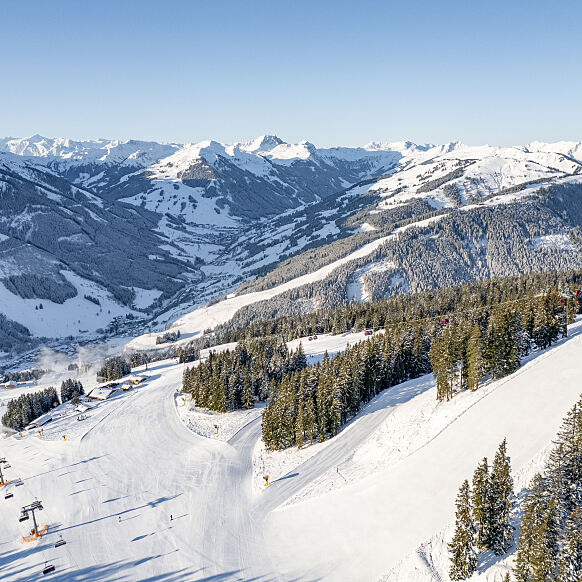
262	143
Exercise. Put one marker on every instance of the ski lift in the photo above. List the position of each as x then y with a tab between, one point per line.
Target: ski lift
48	568
60	542
23	517
9	495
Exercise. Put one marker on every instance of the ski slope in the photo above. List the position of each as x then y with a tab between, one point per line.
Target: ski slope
110	488
361	531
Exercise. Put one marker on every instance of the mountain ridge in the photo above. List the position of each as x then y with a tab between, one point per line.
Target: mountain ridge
227	213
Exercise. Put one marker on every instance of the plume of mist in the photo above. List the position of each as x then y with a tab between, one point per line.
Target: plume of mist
88	359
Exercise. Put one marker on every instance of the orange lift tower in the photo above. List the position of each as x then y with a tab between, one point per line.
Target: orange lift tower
35	533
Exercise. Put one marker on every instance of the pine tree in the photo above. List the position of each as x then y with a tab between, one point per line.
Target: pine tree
474	358
570	563
481	504
248	401
537	536
463	557
565	463
299	426
444	363
502	501
309	420
501	354
545	546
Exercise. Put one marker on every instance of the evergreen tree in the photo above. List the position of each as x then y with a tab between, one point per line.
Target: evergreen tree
536	550
309	420
481	504
474	358
502	500
248	401
70	387
545	546
565	463
444	362
300	426
570	563
463	557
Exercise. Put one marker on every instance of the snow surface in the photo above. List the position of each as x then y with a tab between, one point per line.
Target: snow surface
109	488
383	515
76	316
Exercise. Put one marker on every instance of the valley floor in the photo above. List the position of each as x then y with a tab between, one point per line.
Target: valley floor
139	496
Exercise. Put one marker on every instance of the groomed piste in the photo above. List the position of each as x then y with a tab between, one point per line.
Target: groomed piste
138	494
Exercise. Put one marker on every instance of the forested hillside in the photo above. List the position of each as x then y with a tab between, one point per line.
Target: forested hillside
464	335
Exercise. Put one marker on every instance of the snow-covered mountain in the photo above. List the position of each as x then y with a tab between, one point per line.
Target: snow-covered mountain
152	230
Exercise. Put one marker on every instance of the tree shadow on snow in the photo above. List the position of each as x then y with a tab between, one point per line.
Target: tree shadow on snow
65	467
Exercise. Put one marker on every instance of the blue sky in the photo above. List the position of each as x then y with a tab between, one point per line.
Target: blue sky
330	72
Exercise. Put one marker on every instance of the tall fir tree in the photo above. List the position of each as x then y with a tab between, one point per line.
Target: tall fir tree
463	557
545	547
481	505
502	501
537	536
570	563
248	400
474	358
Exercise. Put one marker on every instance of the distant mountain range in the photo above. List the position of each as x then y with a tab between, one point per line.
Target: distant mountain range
115	237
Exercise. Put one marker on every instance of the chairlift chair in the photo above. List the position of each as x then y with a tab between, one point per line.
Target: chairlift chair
60	542
19	483
24	517
9	495
7	466
48	568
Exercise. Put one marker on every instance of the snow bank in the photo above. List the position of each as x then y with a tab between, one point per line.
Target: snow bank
221	426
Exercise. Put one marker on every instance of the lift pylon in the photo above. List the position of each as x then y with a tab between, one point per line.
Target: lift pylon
35	532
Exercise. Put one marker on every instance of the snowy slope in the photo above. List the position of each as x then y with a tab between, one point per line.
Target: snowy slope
193	324
374	521
111	487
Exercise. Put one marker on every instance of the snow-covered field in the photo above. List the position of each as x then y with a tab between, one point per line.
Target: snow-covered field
138	495
76	316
